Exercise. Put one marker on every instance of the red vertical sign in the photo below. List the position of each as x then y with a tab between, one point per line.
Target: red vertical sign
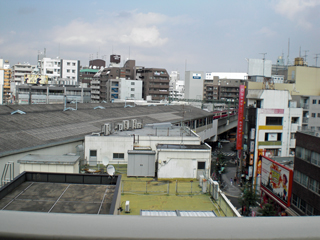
240	116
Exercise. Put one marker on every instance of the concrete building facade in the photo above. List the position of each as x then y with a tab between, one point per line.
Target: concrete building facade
273	122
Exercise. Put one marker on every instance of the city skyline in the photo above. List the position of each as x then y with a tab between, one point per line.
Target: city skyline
176	35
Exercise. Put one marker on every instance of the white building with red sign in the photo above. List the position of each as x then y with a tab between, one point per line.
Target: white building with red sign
276	122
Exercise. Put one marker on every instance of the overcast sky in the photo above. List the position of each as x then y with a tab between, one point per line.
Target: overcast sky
199	35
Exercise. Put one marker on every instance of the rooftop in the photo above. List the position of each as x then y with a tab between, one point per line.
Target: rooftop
48	125
60	193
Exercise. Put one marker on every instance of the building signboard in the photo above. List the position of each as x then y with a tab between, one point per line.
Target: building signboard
35	79
252	146
196	76
240	117
276	179
252	133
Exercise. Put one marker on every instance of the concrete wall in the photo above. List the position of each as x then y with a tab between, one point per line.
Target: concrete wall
56	168
54	150
126	89
194	85
107	145
177	163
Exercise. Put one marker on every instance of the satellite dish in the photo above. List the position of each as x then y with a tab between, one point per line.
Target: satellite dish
105	161
111	170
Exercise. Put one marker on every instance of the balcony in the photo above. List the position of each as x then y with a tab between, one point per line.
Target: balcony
95	97
305	120
95	87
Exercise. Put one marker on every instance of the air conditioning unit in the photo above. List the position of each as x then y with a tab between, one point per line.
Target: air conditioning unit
107	129
127	209
134	123
120	127
125	125
139	125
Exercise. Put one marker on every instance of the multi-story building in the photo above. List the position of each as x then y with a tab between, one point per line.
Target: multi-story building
48	94
311	111
155	83
155	80
59	68
194	82
272	121
306	179
19	70
5	78
122	89
87	73
298	79
176	86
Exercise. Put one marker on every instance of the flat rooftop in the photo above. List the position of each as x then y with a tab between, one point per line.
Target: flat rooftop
59	198
60	193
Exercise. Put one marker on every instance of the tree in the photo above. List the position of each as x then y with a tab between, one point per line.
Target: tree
248	199
267	210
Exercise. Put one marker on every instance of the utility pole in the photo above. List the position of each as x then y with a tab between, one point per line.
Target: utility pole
305	55
264	58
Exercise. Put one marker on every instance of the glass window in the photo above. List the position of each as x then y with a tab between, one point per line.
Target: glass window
118	155
73	71
201	165
73	64
314	101
273	120
132	83
93	153
313	115
298	152
68	63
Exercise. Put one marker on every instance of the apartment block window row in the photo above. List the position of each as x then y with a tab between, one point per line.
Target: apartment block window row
307	155
314	101
308	182
302	205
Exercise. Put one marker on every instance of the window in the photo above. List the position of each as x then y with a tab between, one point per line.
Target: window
274	121
73	71
132	83
201	165
118	155
93	153
68	63
313	115
293	136
132	95
314	101
273	136
132	89
68	70
294	120
73	64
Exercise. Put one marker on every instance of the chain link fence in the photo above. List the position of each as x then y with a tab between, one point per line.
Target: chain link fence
162	187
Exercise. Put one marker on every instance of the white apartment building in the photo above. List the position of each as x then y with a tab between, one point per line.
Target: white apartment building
277	119
19	70
56	68
194	81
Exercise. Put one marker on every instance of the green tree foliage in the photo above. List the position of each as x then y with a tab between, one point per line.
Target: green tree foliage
267	210
248	199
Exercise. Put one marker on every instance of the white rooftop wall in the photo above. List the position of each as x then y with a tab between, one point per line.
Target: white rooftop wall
259	67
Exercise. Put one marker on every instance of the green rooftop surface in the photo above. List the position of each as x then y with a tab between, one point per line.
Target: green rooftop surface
148	194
